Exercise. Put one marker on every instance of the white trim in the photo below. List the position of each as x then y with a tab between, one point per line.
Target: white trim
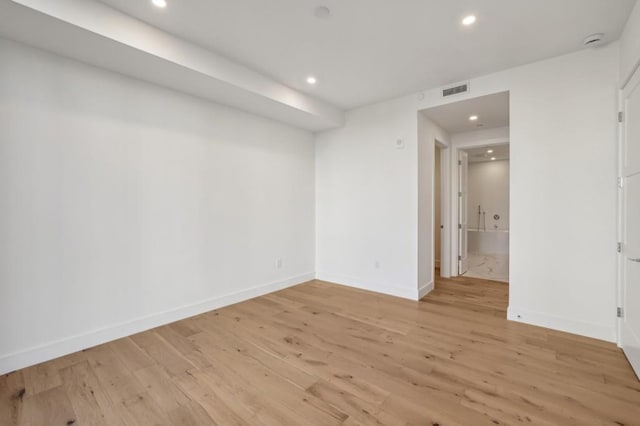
631	82
444	263
632	352
58	348
541	319
619	219
424	290
405	293
631	74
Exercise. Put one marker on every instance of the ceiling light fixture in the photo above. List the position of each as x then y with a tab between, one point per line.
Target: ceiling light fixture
469	20
312	80
473	118
493	158
489	151
159	3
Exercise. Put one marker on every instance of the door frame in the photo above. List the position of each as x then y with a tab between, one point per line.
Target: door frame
633	78
452	236
619	217
463	216
445	216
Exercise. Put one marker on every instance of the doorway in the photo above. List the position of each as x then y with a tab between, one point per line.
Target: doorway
475	133
484	212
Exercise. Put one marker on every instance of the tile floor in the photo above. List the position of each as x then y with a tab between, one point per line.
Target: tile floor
488	266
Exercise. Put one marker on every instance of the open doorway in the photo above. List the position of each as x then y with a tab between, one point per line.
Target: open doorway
486	213
471	192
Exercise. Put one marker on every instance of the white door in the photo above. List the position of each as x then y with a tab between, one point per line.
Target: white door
630	223
463	258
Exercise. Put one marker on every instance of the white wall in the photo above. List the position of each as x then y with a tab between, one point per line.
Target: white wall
489	188
124	205
484	137
630	45
366	199
563	150
563	188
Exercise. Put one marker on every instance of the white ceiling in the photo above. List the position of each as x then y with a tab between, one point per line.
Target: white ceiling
481	154
370	50
491	110
97	34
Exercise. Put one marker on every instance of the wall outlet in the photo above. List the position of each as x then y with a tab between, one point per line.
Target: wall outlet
279	263
399	143
376	264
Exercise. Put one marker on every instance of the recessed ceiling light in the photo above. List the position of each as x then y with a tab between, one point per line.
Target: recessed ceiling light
473	118
493	158
469	20
489	151
159	3
312	80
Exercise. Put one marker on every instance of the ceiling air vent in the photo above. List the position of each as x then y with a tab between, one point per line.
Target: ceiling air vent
456	90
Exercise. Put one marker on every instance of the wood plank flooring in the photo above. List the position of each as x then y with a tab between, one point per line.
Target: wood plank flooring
324	354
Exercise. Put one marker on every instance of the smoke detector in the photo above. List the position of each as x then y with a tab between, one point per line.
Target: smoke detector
594	40
322	12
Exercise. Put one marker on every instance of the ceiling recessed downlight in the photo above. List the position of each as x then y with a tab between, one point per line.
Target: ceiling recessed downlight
473	118
493	158
489	151
312	80
469	20
159	3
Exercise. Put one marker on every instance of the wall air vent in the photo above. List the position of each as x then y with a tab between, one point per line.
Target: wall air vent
456	90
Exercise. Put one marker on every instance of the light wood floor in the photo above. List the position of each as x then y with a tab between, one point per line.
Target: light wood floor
325	354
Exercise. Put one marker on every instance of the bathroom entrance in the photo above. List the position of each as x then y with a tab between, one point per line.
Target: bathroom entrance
470	186
483	212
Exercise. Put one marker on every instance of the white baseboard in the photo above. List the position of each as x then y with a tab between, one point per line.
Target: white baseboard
405	293
631	346
596	331
424	290
55	349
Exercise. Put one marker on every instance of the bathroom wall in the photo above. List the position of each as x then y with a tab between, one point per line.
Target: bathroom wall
489	188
